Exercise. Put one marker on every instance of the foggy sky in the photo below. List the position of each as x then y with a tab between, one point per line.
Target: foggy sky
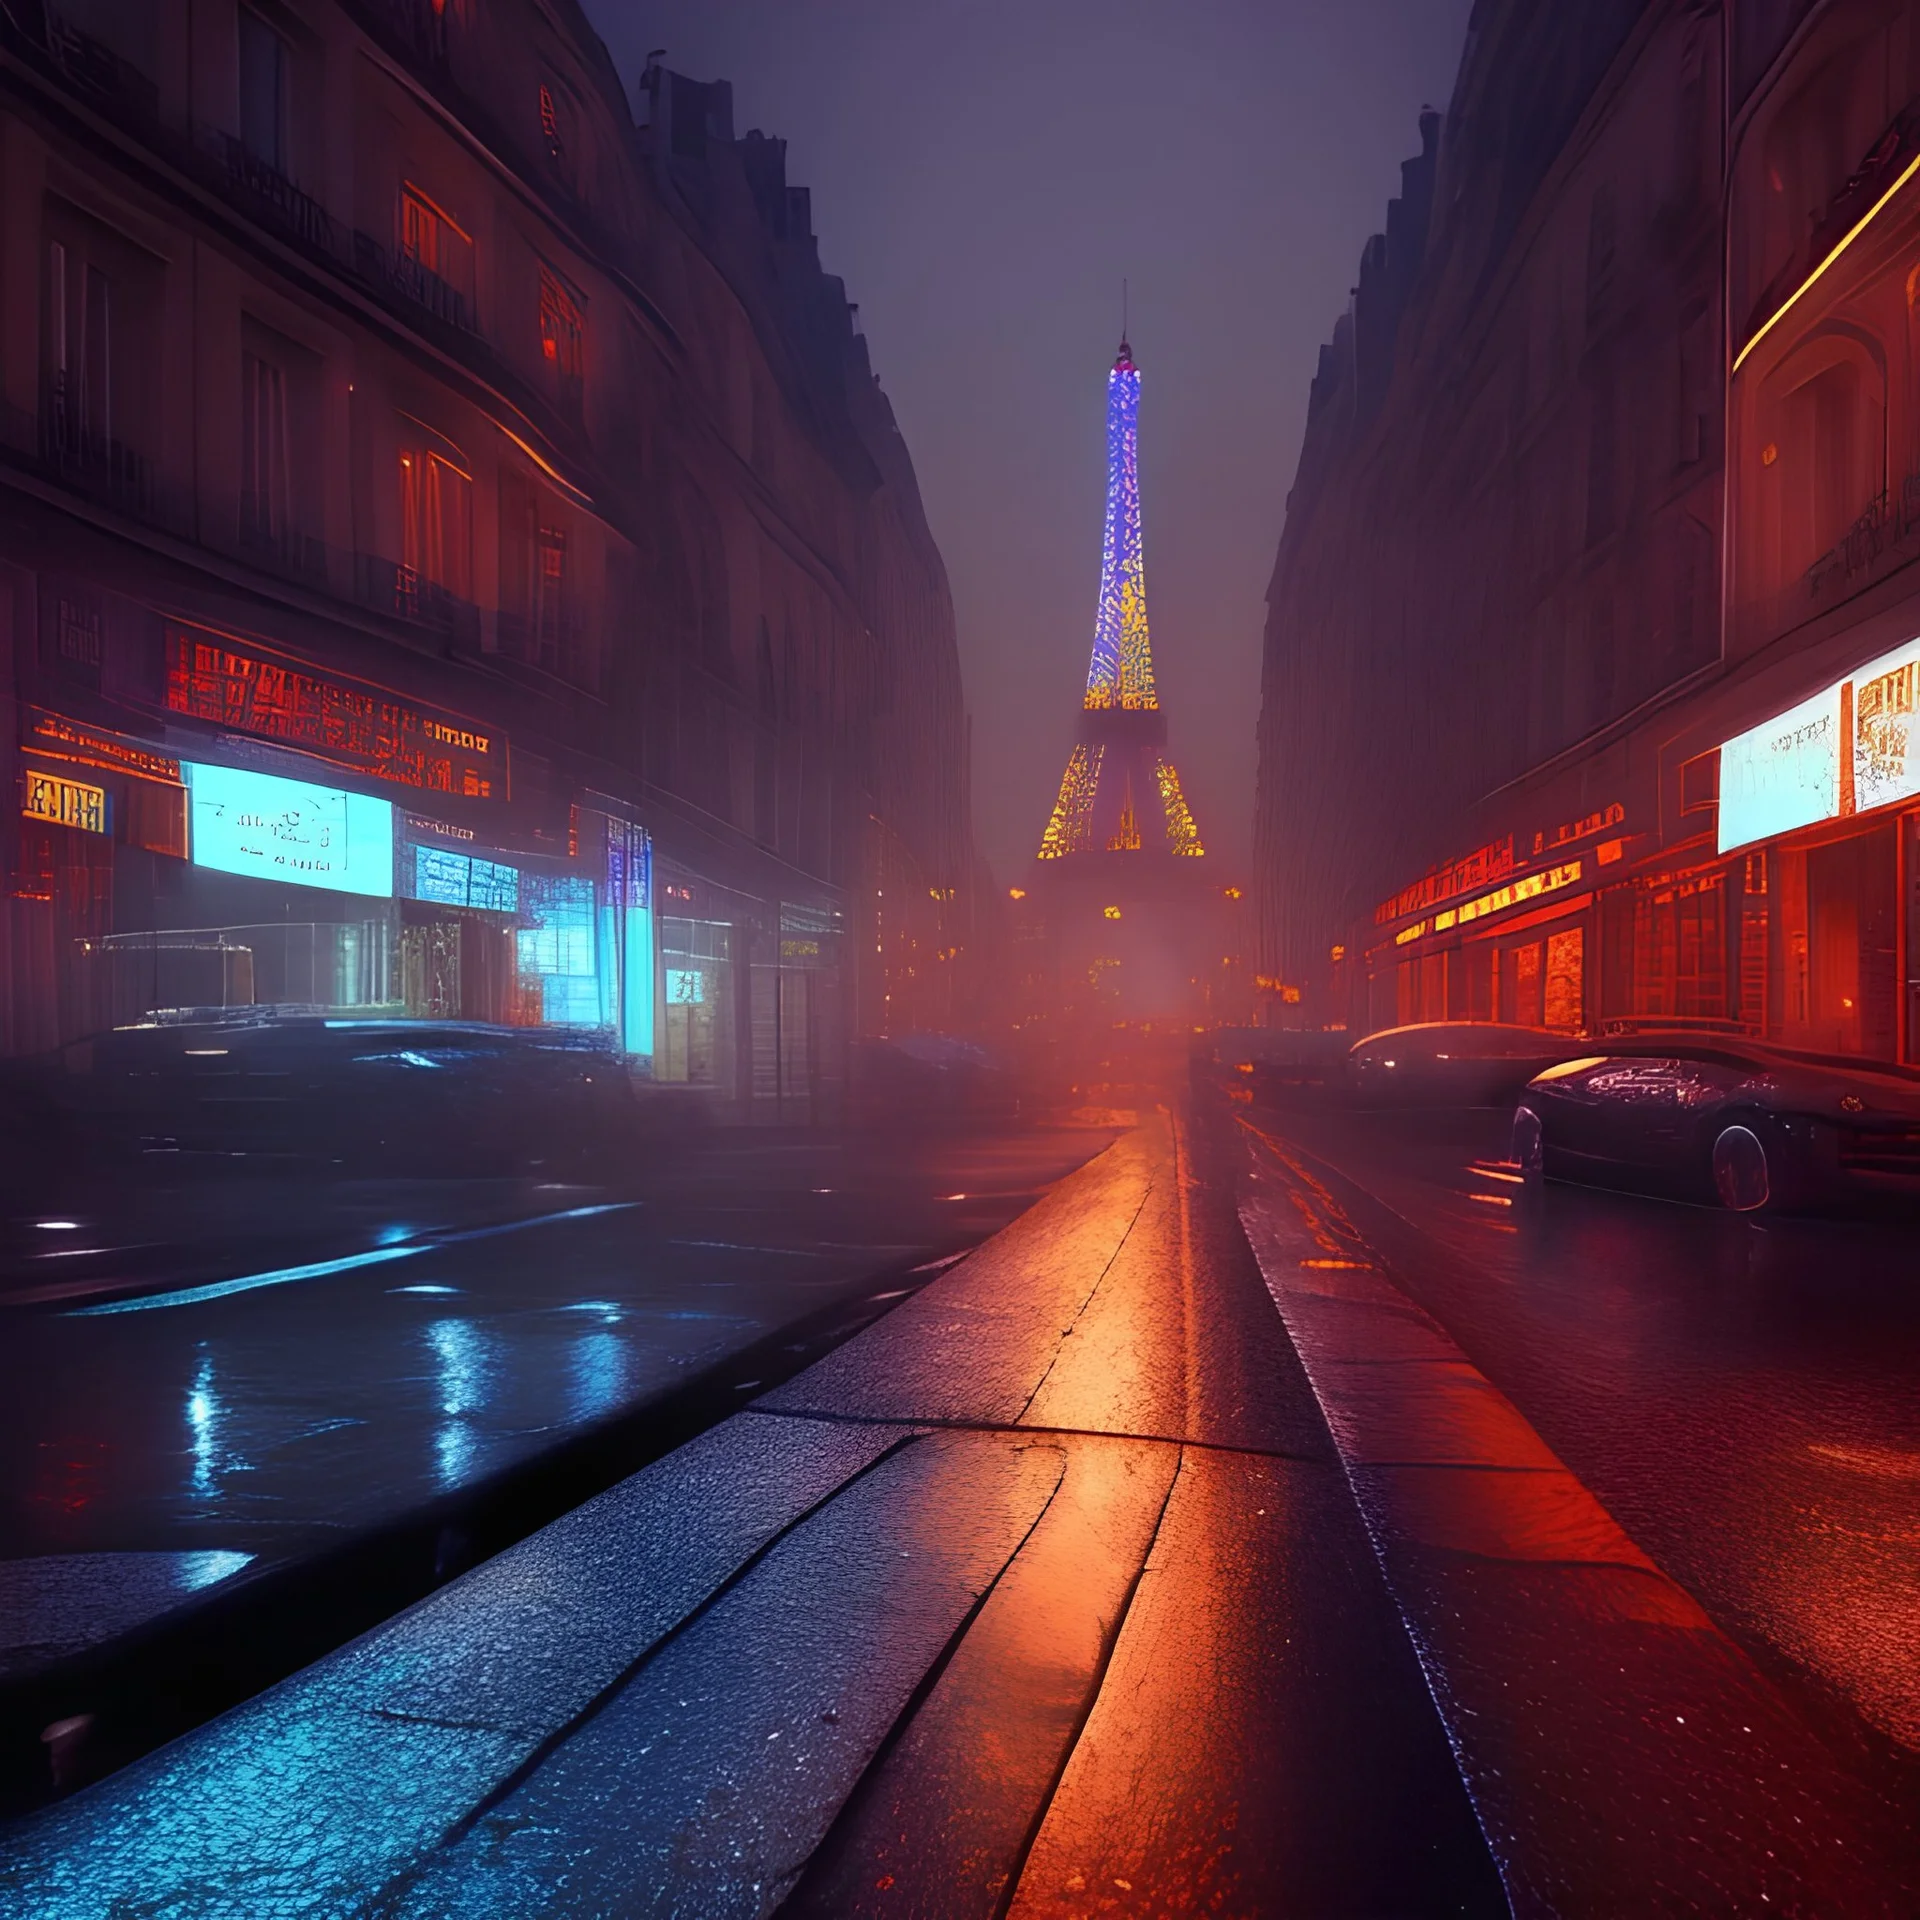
983	176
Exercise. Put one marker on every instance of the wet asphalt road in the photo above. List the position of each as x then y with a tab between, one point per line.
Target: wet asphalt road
1044	1595
215	1434
1738	1392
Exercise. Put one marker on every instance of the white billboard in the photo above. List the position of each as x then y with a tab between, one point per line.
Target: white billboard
1782	774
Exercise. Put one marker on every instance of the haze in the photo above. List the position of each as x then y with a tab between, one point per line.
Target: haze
984	179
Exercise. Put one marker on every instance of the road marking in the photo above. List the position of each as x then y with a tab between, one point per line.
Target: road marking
322	1269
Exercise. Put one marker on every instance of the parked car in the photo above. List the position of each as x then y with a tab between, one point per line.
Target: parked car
274	1089
1717	1118
1452	1063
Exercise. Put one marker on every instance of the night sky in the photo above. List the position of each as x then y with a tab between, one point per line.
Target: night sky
983	178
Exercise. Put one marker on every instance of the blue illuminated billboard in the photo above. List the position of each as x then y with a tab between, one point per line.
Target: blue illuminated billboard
272	828
465	880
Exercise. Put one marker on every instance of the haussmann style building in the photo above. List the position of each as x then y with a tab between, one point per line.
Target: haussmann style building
1591	665
455	558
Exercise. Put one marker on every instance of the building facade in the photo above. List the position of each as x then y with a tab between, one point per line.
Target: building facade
455	557
1499	588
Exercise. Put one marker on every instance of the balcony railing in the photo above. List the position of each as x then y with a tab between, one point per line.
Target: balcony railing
266	192
1888	521
416	287
103	76
401	591
103	469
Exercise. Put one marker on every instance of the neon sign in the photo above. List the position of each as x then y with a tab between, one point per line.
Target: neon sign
63	739
66	803
1494	861
209	678
269	828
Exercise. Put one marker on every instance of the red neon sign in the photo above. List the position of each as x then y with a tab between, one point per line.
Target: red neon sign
208	678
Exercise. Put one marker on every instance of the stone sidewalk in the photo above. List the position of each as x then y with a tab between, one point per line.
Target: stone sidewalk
1046	1595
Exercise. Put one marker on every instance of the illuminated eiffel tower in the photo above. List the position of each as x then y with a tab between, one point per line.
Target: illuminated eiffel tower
1120	794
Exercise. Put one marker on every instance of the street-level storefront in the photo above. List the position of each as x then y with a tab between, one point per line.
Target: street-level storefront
1505	933
272	835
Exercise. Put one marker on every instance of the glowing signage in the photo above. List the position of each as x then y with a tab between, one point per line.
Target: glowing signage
289	830
211	678
1531	888
686	987
67	803
62	739
1494	861
465	880
1782	775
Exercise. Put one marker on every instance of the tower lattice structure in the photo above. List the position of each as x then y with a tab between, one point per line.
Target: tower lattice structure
1121	793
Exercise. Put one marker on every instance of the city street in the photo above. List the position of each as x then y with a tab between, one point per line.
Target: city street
159	1442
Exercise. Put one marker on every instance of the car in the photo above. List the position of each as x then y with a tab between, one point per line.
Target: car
277	1089
1723	1120
1452	1063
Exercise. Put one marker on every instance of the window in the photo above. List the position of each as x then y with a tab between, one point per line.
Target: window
265	63
436	523
550	599
79	348
265	475
562	336
435	242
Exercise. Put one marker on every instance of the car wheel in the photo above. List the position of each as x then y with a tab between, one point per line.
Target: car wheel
1529	1146
1741	1174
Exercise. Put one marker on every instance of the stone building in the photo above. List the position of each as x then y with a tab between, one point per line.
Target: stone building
402	447
1501	548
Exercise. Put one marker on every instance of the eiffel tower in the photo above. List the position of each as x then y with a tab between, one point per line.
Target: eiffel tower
1120	881
1120	793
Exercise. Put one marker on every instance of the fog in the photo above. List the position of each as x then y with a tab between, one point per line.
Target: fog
984	178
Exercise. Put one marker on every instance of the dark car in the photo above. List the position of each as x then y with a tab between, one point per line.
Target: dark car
286	1090
1452	1063
1726	1120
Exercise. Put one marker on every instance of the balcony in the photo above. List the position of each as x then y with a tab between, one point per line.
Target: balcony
417	28
264	192
94	465
402	592
1889	522
417	289
101	76
294	556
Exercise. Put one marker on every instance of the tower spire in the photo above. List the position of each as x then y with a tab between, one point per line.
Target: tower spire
1121	671
1122	731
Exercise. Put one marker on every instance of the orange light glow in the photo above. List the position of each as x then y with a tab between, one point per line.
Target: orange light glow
1349	1266
1492	1199
1112	913
1016	893
1232	893
1853	233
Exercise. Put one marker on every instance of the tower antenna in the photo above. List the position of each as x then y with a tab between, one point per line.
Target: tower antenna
1123	306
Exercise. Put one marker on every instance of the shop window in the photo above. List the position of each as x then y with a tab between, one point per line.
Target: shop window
694	1045
1520	984
558	950
1837	905
266	67
1564	994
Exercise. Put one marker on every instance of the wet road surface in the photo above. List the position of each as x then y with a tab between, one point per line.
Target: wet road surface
156	1444
1043	1595
1737	1394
